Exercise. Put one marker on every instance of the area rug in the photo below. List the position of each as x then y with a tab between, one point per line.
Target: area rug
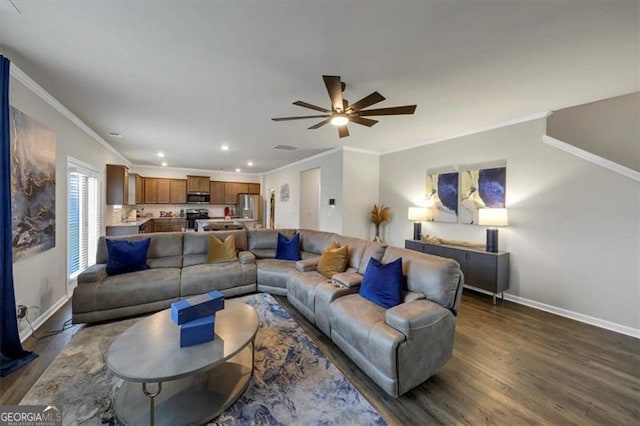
293	381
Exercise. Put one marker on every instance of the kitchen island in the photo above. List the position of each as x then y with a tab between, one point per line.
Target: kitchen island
224	224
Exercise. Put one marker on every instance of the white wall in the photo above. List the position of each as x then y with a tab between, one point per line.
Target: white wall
574	226
360	173
41	280
288	212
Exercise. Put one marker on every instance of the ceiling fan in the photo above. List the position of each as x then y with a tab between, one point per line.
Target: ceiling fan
341	113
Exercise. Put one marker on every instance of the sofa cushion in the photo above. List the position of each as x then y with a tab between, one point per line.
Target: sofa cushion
198	279
434	276
373	250
356	248
301	291
196	244
382	284
273	272
314	241
134	288
288	249
333	260
221	251
127	256
263	242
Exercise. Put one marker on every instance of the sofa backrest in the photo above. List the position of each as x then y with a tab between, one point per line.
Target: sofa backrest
314	242
196	244
263	242
374	250
356	247
165	248
438	278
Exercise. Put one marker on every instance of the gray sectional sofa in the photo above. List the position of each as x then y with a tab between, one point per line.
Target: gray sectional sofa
398	348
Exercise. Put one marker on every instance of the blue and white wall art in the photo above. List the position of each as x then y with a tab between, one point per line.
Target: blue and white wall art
442	196
481	188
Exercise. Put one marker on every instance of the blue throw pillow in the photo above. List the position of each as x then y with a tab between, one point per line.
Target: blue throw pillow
382	284
288	249
126	256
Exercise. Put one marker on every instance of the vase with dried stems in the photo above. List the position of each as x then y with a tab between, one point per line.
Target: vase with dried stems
378	217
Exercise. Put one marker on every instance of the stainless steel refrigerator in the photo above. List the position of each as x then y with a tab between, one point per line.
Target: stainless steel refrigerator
249	206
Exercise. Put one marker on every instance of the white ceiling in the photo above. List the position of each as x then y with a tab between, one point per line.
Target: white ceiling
186	77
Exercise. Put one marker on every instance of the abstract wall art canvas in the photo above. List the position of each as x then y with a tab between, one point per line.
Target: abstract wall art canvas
481	188
33	186
442	196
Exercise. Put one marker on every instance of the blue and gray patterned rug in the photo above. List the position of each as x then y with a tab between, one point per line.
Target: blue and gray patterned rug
293	381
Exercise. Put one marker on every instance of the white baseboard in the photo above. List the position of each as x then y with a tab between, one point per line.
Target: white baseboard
608	325
26	333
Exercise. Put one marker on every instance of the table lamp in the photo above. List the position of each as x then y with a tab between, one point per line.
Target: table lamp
492	218
418	215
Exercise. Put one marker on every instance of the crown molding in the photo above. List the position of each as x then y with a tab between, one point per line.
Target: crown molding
592	158
360	150
492	126
188	169
34	87
304	160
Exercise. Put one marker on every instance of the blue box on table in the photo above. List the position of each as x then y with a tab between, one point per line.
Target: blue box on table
196	307
197	331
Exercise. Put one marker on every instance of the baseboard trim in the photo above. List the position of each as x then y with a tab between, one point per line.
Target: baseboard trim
608	325
26	333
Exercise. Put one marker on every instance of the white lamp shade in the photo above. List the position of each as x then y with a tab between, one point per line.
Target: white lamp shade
493	217
418	214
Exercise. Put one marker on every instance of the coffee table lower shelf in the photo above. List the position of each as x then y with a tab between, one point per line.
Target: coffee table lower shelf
191	400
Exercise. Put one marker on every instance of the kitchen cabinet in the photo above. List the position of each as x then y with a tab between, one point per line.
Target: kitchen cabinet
216	191
231	191
253	188
117	184
198	184
168	224
157	191
139	185
482	269
177	191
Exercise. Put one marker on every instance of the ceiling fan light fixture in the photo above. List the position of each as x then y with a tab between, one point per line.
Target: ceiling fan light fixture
339	119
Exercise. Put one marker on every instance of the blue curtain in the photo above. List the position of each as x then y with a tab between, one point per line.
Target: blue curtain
13	356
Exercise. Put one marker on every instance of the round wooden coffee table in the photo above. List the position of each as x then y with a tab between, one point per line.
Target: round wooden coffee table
167	384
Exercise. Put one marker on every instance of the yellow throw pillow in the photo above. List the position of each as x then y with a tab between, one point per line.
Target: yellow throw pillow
333	260
219	251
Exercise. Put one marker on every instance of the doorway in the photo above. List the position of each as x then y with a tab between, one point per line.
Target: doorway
272	208
309	198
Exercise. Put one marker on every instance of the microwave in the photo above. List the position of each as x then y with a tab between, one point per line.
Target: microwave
197	198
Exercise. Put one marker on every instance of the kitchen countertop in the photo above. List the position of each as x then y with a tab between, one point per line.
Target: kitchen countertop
218	220
142	221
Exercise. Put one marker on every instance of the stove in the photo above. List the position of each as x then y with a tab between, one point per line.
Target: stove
195	214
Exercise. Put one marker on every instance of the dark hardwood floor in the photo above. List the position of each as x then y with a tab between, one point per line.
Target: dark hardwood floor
511	365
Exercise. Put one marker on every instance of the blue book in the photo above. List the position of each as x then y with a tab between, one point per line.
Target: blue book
197	331
196	307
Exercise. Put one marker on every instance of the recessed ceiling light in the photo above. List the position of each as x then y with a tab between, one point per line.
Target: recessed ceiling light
115	135
238	170
164	164
160	154
225	147
250	163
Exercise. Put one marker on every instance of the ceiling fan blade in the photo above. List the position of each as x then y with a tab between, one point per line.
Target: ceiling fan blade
407	109
363	121
334	87
320	124
299	118
369	100
307	105
343	131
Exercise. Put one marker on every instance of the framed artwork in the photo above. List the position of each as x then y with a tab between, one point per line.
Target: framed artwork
33	185
284	192
442	196
480	188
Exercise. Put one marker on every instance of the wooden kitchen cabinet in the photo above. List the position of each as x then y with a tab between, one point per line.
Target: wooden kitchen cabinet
168	224
177	191
231	191
216	191
482	269
198	184
139	182
157	191
117	184
253	188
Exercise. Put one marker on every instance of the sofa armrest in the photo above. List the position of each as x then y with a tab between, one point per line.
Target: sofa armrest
414	317
246	257
306	265
348	279
92	274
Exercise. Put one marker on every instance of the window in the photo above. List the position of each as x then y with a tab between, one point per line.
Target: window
83	217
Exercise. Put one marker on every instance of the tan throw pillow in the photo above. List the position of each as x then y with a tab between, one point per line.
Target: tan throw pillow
333	260
219	251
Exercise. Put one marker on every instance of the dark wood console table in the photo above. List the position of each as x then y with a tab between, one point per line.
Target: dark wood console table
482	269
